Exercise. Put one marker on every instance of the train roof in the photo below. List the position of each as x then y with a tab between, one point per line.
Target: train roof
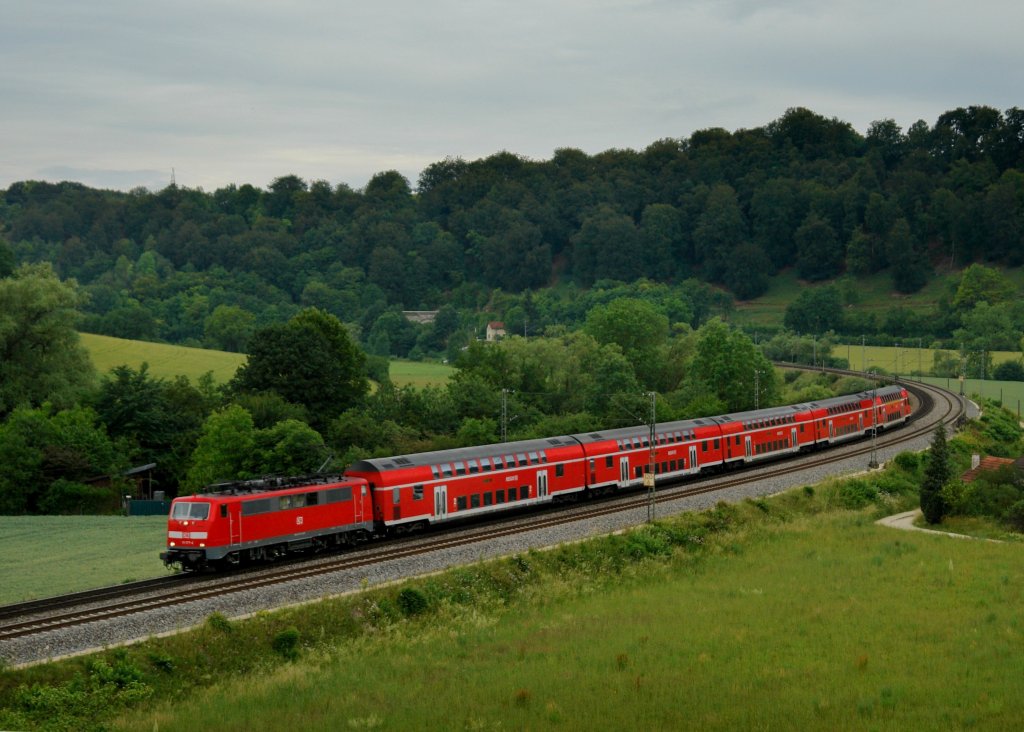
686	425
268	483
438	457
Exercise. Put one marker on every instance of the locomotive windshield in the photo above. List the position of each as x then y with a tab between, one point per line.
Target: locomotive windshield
192	511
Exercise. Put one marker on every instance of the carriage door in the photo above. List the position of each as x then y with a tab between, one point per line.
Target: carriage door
693	458
860	422
792	439
623	472
746	441
440	502
542	484
831	430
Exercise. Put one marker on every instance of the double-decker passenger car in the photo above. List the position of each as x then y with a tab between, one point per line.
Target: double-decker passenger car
263	519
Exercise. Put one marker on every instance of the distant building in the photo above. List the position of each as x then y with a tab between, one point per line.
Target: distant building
989	464
495	330
420	316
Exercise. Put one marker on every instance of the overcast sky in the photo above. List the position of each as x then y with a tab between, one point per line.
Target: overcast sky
117	93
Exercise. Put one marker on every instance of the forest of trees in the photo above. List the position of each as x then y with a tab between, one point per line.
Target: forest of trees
488	238
616	266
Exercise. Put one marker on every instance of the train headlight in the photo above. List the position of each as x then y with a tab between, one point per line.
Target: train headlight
202	545
172	544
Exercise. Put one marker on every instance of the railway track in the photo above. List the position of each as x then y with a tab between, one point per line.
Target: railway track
933	405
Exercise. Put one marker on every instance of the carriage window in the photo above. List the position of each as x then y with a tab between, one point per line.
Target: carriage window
434	471
521	457
460	503
487	498
472	466
534	459
485	464
716	444
474	500
460	468
609	461
446	470
498	465
223	510
499	496
704	446
559	470
396	495
510	461
312	499
417	492
524	492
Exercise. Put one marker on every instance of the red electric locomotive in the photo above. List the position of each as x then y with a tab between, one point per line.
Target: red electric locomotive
265	519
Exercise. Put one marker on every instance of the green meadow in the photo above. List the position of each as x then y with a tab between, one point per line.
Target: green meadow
52	555
165	361
818	622
420	373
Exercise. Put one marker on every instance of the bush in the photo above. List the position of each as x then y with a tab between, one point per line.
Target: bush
1015	516
856	493
1009	371
286	643
218	622
411	602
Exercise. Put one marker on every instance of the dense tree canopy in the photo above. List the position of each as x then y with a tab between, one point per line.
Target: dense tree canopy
41	358
803	191
310	360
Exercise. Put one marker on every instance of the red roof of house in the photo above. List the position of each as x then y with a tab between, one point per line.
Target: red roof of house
987	464
496	325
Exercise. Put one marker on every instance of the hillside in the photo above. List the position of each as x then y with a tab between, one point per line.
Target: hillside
804	197
165	361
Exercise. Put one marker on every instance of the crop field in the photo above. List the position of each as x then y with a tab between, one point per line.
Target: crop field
821	622
51	555
165	361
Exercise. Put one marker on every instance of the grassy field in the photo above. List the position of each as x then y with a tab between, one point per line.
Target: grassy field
165	361
825	622
419	373
870	294
51	555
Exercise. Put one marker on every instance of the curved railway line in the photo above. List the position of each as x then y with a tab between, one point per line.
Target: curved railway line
53	615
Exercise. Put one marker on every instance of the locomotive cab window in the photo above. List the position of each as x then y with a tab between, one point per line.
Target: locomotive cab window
191	511
609	461
559	470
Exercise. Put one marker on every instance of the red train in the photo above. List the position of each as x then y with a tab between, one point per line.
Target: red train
264	519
